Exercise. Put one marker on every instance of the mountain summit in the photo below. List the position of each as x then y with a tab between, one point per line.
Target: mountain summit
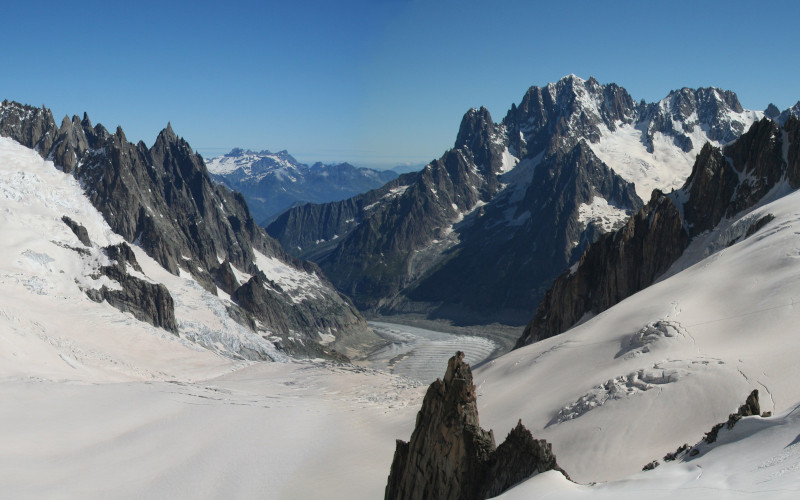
480	233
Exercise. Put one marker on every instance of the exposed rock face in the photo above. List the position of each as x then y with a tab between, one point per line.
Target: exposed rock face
312	230
750	407
772	111
80	231
616	266
722	183
514	262
273	182
513	203
149	302
162	199
450	457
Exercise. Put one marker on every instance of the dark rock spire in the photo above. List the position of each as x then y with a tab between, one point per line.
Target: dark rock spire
449	456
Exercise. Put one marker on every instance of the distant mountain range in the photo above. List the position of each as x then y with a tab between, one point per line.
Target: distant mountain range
273	182
480	234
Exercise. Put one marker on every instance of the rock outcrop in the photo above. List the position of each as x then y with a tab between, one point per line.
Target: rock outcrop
80	232
615	267
749	408
723	182
147	301
449	456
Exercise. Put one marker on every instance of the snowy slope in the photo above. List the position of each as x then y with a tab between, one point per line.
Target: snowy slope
44	269
98	404
759	457
665	165
661	367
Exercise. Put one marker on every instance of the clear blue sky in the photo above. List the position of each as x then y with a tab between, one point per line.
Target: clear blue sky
378	83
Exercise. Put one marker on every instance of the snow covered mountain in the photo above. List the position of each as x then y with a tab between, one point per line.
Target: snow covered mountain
722	184
515	203
104	405
273	182
613	394
655	371
161	203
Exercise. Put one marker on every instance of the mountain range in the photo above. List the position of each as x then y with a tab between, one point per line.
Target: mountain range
480	234
273	182
137	296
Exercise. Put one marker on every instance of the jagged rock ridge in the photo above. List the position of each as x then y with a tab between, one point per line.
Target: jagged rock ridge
149	302
723	183
273	182
515	203
449	456
162	199
750	407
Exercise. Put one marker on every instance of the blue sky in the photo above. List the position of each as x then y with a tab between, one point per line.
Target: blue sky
377	83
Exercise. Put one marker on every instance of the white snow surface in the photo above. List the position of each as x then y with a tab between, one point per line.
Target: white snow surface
509	161
668	166
300	285
100	405
608	216
758	458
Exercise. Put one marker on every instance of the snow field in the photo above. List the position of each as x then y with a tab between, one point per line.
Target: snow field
272	430
758	458
301	286
727	326
48	326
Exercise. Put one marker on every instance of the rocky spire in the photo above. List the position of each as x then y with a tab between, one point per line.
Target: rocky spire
449	456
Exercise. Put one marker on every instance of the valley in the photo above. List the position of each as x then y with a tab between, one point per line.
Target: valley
152	334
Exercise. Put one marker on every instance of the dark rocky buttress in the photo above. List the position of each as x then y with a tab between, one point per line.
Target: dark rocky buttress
449	456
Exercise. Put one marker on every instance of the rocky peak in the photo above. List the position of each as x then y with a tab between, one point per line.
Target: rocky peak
479	134
793	111
682	111
450	457
710	188
560	113
30	126
169	133
772	111
163	201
